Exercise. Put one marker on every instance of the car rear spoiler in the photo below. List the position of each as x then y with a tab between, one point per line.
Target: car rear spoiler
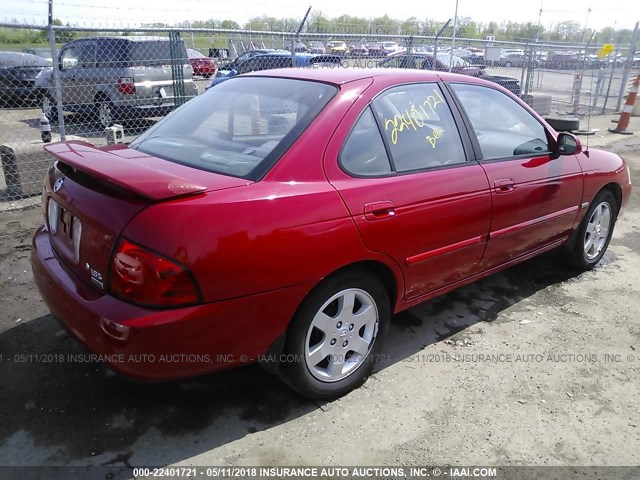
132	175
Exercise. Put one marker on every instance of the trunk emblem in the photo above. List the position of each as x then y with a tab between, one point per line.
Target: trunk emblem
58	185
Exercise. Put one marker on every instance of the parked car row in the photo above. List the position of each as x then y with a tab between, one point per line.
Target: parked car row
338	47
269	60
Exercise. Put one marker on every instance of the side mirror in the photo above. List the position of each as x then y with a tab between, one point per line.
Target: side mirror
568	144
233	73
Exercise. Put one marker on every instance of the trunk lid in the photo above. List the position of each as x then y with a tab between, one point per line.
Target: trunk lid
92	193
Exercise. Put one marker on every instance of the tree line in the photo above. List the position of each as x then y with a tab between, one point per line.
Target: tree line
565	31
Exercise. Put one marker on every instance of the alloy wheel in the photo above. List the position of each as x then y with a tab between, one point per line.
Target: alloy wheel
597	231
105	114
341	335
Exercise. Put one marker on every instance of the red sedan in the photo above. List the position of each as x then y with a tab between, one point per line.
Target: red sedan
287	224
201	64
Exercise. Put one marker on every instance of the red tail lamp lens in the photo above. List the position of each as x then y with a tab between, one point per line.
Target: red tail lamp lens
144	277
126	85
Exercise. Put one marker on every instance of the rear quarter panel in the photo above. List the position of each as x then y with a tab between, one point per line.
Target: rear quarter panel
252	239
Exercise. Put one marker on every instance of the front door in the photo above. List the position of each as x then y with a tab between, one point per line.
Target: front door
536	195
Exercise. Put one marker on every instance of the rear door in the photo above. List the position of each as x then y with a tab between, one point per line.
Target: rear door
536	196
403	174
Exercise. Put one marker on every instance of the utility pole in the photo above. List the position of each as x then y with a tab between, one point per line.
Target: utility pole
453	41
296	38
56	72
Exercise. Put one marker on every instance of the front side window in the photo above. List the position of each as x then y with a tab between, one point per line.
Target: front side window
87	58
238	128
503	127
419	127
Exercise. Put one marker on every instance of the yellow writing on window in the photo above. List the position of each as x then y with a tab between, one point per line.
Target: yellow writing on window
433	138
414	117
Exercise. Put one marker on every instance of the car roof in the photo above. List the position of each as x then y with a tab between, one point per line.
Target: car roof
128	38
341	75
10	59
286	54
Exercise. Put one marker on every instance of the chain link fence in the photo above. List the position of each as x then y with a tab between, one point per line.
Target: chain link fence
108	86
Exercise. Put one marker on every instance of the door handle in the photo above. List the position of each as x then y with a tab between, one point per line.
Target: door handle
379	210
503	185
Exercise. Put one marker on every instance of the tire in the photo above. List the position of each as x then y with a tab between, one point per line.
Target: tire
594	233
324	333
104	112
563	124
49	107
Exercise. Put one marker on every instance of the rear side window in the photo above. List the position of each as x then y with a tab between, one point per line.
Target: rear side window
504	129
238	128
121	53
156	52
363	154
419	127
112	53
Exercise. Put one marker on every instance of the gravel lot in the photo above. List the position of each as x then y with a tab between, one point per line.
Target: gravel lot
537	365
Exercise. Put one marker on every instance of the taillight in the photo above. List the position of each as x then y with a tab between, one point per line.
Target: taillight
144	277
126	85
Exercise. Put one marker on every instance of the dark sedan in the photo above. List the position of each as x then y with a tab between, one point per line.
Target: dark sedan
443	62
425	61
18	72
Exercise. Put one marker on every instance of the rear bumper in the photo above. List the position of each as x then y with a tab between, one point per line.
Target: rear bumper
162	345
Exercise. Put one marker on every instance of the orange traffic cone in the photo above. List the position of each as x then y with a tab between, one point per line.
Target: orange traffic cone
623	123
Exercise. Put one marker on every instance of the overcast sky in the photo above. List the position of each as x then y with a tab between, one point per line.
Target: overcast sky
621	13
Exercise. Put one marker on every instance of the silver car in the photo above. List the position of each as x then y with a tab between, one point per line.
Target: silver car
119	78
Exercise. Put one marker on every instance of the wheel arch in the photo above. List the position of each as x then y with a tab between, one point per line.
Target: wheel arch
383	272
102	95
614	188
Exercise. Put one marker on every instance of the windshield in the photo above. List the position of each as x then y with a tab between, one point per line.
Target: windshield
238	128
457	61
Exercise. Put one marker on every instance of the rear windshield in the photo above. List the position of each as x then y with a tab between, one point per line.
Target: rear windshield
239	127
